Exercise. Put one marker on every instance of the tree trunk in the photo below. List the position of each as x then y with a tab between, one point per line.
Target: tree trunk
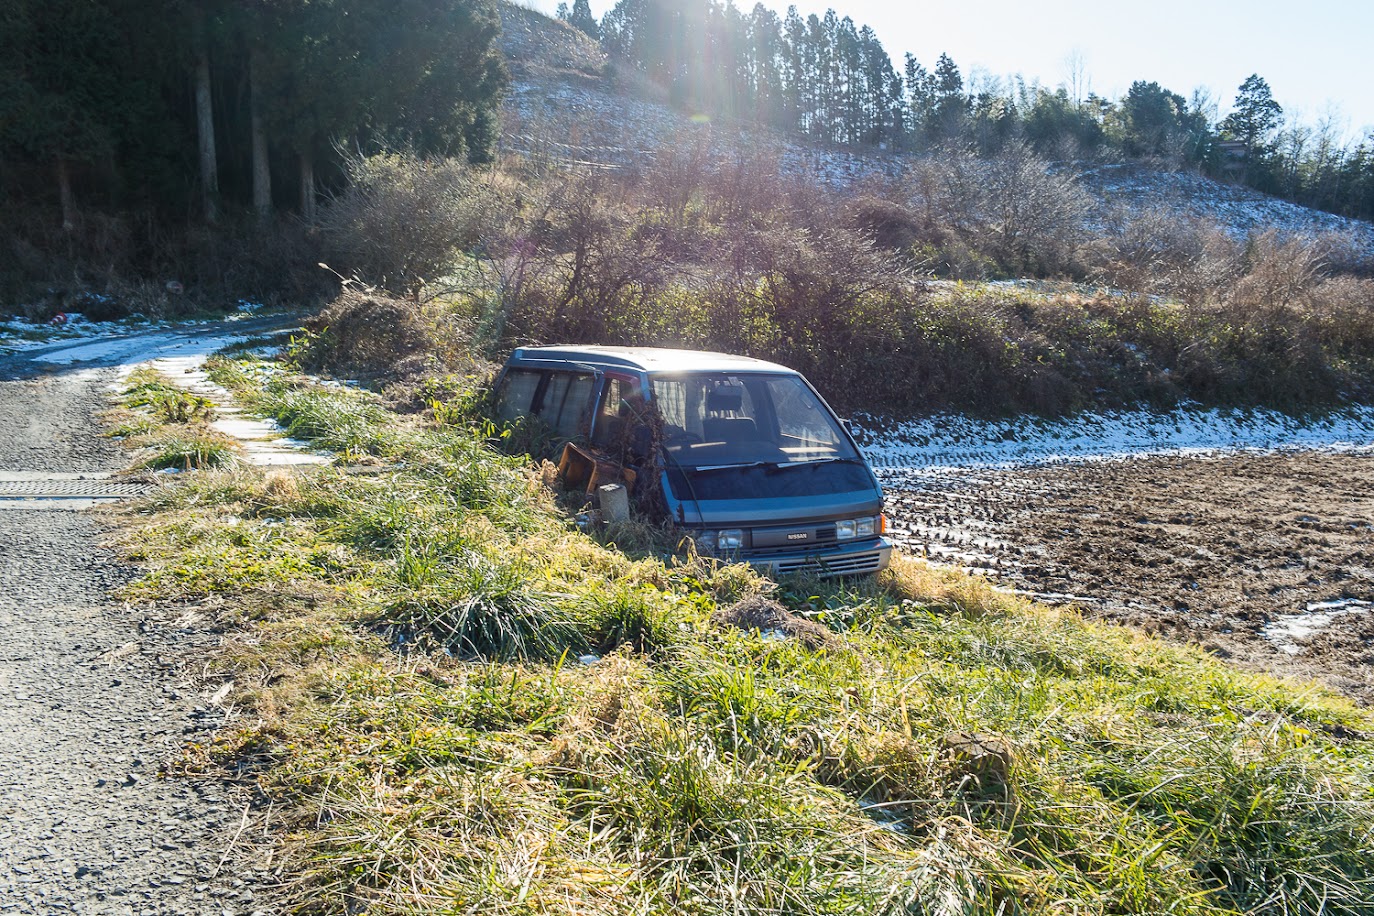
262	167
205	129
308	187
64	194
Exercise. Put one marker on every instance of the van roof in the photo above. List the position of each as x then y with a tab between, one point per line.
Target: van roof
644	359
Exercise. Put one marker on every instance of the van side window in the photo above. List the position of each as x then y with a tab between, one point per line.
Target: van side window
621	404
515	397
567	403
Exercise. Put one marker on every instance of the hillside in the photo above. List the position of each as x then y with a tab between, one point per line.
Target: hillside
569	102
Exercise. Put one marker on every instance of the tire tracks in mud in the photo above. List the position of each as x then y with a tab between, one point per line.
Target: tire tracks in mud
1264	559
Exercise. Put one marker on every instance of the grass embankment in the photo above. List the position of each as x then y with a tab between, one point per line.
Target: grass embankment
169	426
406	656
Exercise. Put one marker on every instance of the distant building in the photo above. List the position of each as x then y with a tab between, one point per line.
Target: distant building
1233	156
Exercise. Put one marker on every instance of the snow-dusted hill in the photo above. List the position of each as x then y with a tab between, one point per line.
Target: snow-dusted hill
1241	210
569	103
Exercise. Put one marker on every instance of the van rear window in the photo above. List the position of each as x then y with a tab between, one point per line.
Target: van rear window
566	403
515	397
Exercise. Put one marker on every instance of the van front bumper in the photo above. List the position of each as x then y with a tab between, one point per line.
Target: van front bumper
851	559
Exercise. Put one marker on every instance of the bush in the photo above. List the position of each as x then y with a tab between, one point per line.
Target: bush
402	220
1014	207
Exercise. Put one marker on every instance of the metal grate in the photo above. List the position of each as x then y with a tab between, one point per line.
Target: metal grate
852	565
69	489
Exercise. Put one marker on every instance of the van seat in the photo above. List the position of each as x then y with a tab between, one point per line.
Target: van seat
729	429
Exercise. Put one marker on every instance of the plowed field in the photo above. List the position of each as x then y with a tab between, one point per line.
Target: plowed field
1266	559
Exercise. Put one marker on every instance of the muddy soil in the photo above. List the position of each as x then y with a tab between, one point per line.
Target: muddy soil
1267	560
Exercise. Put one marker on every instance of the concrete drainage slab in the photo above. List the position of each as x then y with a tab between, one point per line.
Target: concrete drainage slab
46	490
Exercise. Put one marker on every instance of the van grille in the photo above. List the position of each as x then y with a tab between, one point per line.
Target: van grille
850	565
823	537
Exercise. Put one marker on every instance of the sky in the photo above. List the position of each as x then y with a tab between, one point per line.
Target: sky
1317	56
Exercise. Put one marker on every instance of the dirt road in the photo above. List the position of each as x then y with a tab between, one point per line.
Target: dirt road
1266	559
94	696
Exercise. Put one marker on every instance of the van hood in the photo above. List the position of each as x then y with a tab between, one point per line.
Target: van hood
750	512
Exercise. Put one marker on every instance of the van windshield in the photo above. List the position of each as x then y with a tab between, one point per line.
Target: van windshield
720	420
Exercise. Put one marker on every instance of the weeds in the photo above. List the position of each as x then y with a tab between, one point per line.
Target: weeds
170	426
193	452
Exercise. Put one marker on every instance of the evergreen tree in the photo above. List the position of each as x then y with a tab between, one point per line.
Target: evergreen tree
581	18
1157	122
950	105
1255	115
920	97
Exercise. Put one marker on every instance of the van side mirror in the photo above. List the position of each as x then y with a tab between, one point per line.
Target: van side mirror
848	426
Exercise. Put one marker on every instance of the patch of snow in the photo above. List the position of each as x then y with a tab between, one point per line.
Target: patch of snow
17	334
1288	631
1240	210
130	351
954	443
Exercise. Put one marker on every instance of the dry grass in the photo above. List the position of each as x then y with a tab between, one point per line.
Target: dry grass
968	752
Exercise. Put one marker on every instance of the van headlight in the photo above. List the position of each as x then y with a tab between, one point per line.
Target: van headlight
852	528
718	542
730	539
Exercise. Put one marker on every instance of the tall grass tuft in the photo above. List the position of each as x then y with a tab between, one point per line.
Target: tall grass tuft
477	605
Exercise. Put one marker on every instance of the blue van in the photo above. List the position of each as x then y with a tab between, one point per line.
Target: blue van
750	460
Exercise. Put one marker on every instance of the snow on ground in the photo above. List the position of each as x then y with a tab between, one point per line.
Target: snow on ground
951	442
578	124
180	355
17	335
1240	210
1288	632
130	351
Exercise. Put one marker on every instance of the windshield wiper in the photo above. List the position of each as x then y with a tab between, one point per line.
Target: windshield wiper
772	465
816	461
732	467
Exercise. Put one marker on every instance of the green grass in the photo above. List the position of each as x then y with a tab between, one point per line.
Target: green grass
408	647
169	426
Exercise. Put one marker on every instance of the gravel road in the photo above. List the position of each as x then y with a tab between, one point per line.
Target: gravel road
95	697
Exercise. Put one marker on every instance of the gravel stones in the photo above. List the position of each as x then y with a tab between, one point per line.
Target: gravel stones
94	700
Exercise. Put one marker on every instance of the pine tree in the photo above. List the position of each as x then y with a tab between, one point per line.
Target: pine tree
1255	115
951	106
581	18
920	96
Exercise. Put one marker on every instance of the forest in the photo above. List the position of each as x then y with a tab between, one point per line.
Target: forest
188	108
826	78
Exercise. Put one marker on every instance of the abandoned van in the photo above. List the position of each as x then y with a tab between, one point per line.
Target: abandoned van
747	456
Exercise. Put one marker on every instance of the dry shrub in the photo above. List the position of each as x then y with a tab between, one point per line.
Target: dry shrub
366	334
402	220
1159	252
1344	311
889	224
1279	271
1014	206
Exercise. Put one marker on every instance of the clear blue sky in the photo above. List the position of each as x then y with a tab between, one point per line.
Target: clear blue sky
1317	56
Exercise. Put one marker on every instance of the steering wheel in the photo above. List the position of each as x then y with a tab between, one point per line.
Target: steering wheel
683	437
